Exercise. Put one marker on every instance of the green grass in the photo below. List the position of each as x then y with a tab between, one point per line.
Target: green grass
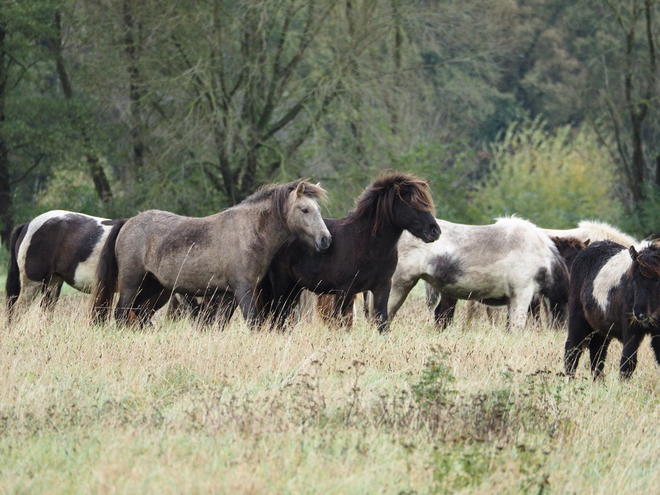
172	409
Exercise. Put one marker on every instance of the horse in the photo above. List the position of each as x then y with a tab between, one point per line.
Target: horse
614	293
568	243
594	231
363	255
510	262
55	247
220	257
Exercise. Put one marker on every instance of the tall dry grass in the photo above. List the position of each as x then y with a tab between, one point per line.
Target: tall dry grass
174	409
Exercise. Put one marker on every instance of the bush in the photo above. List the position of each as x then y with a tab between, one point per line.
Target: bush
552	179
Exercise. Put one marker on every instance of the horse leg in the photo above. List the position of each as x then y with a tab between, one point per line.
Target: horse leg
51	292
224	305
444	311
655	345
631	341
30	290
244	293
367	304
431	295
381	297
152	304
579	331
347	310
140	297
598	352
518	306
400	288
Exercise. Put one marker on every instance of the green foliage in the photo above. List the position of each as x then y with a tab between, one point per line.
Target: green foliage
450	172
553	179
433	385
644	221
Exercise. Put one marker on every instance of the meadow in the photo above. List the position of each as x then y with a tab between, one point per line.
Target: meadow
178	409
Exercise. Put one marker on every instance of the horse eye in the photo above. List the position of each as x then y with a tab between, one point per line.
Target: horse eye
305	210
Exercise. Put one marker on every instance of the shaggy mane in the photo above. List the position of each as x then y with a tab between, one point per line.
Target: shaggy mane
379	197
279	193
648	260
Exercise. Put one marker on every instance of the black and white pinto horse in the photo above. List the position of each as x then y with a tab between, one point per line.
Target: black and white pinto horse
510	263
55	247
614	294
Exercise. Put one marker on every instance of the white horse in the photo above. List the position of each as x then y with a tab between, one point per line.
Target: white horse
586	231
507	263
589	230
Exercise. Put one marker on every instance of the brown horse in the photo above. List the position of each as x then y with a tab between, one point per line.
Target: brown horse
221	257
363	255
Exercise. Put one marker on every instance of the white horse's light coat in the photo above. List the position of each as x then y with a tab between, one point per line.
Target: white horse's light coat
589	230
506	261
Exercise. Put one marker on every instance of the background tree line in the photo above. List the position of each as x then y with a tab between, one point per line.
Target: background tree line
544	108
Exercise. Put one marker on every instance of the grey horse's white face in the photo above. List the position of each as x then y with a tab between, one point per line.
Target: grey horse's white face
304	219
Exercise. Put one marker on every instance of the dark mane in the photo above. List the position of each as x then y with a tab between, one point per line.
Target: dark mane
278	194
379	197
648	260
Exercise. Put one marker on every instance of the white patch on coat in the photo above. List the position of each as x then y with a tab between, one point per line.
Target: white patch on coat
83	279
33	226
609	276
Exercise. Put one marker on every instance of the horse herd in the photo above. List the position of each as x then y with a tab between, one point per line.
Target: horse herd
262	253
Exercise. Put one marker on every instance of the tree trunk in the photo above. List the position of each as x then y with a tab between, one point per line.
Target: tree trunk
135	97
6	220
101	183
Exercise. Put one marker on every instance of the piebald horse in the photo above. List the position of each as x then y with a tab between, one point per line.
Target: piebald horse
55	247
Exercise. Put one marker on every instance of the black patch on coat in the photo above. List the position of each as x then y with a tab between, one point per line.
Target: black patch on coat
446	270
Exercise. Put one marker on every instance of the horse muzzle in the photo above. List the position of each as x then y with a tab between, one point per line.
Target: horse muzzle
644	319
324	242
431	235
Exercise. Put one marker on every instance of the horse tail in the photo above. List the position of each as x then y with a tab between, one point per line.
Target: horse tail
13	284
107	276
557	292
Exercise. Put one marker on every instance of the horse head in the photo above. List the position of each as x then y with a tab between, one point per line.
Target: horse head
413	208
569	248
303	215
644	274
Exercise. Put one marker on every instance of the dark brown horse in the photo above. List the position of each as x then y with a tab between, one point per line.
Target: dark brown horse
220	257
363	254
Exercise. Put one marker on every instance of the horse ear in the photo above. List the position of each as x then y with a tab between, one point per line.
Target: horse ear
300	190
633	253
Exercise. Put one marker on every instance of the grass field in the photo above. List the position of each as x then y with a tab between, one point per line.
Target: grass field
174	409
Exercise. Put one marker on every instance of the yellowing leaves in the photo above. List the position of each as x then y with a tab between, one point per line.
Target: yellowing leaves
553	179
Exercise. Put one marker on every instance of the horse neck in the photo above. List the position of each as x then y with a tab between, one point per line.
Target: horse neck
272	229
386	237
